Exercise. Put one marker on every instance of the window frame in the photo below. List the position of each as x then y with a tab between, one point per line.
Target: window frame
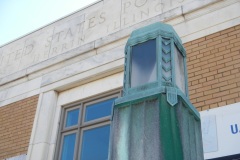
80	140
131	59
81	126
98	120
65	117
128	89
61	142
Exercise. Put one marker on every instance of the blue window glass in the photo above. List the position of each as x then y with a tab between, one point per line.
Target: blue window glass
72	117
99	110
143	63
95	143
68	147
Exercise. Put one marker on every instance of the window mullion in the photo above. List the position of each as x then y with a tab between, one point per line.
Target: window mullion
77	149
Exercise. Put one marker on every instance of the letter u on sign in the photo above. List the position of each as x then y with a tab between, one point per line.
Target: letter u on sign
234	129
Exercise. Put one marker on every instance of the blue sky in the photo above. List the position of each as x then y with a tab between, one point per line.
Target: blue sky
19	17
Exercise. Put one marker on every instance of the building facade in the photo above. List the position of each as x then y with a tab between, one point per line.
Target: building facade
57	83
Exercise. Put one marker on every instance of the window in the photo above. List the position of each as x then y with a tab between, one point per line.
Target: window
85	130
143	63
179	69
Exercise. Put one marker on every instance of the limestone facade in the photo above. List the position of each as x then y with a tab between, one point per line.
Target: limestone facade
82	56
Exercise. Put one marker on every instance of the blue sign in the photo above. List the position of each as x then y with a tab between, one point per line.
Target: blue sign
232	157
221	133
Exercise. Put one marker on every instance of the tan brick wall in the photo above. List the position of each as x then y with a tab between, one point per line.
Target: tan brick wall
214	69
16	122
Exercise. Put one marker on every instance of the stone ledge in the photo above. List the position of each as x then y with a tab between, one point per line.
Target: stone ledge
83	66
194	5
47	63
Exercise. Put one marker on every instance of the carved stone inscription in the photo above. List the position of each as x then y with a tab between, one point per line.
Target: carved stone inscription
134	11
10	57
41	45
65	37
102	21
95	22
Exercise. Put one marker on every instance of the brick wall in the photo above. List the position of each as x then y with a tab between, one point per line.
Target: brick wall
214	69
16	122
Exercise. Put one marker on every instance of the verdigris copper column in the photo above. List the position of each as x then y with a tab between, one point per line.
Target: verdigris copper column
154	119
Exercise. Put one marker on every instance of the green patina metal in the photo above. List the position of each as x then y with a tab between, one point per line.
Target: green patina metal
156	121
171	141
166	39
